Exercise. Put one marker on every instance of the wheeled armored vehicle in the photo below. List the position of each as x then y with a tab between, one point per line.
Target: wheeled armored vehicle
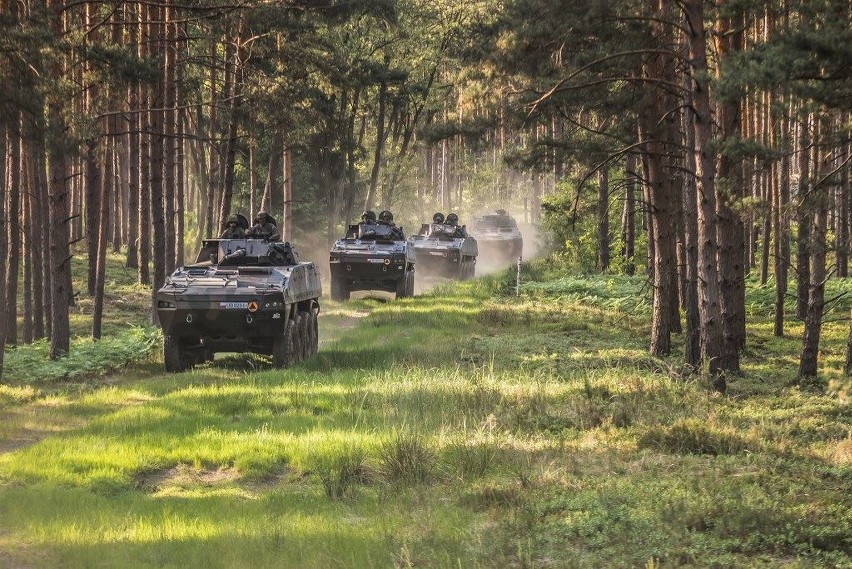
500	241
241	295
371	256
444	250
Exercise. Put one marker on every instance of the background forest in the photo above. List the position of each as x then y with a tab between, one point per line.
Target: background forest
696	141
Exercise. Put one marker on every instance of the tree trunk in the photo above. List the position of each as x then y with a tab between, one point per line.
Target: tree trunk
380	144
629	232
144	121
12	260
841	243
60	256
103	215
230	154
709	289
603	220
4	228
287	186
276	147
169	137
132	122
157	120
818	202
27	246
692	348
782	232
34	160
804	221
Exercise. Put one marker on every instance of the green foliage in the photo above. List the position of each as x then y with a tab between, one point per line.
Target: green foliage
463	427
87	358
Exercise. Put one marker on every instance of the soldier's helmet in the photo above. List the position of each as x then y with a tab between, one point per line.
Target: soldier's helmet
438	218
233	219
261	217
386	216
452	219
369	216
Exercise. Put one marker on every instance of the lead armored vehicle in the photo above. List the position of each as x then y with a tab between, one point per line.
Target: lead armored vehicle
500	240
241	295
444	249
373	255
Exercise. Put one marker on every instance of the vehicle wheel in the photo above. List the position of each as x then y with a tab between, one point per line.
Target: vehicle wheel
298	339
305	341
173	355
339	290
283	352
409	282
314	331
402	286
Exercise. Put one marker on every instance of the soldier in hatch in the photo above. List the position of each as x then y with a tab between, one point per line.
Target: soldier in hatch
453	219
368	217
263	228
232	229
386	218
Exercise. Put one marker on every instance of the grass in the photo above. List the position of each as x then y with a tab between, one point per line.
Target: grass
464	428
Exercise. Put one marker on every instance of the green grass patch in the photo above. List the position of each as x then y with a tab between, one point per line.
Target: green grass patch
467	427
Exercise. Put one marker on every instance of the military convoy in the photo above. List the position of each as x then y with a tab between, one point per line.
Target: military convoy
248	292
500	240
372	256
444	249
240	295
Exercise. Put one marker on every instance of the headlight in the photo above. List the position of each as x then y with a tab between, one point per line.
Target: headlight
165	304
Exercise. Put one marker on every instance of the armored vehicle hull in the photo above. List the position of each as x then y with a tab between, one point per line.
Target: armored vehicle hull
250	296
444	251
371	258
500	240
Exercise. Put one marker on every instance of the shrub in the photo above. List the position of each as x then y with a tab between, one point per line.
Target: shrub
691	436
406	458
341	472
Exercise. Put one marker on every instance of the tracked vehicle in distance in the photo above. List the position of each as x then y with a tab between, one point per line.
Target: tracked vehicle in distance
444	249
241	295
373	255
500	241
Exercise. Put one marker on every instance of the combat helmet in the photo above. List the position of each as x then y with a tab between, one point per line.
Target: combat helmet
385	216
438	218
452	219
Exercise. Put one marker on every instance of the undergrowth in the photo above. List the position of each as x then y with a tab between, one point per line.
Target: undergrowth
87	358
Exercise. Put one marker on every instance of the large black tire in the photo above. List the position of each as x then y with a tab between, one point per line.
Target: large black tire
305	341
403	286
173	355
314	331
339	290
409	282
283	345
298	338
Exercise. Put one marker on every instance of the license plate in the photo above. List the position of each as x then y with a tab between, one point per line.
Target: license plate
234	305
375	260
437	253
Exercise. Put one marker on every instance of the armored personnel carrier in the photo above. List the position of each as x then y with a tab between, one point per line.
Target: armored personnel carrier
373	255
241	295
500	240
444	249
